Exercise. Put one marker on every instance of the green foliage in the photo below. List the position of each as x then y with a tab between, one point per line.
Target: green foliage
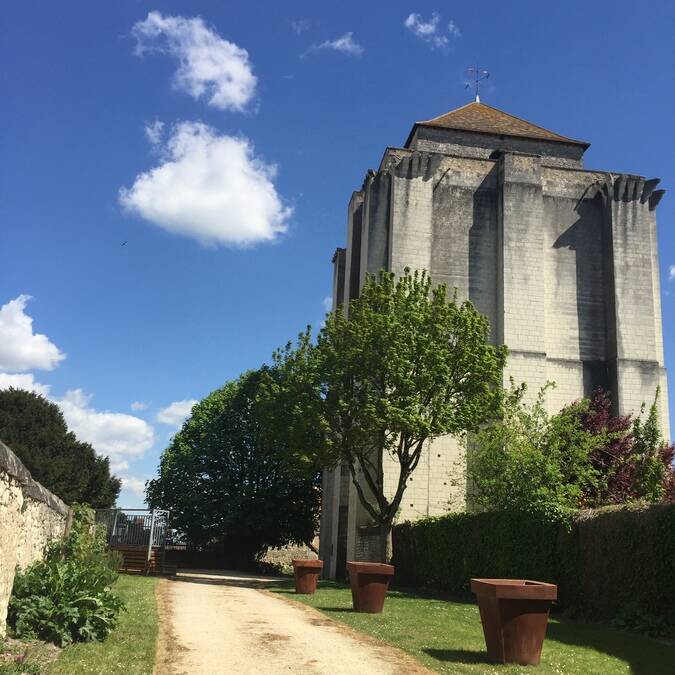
639	620
403	365
444	553
66	597
35	430
226	479
130	648
653	457
615	562
530	460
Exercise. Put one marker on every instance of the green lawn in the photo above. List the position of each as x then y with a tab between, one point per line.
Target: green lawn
130	648
447	637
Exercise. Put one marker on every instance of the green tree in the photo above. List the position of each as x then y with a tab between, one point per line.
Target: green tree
580	457
403	365
653	457
224	479
532	461
35	430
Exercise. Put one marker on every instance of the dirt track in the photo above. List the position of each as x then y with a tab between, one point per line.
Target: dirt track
221	623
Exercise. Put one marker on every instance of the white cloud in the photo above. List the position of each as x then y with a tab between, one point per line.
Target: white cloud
20	348
154	132
116	467
429	30
210	187
23	381
115	435
345	44
138	405
299	26
210	67
453	29
134	485
671	273
327	303
176	413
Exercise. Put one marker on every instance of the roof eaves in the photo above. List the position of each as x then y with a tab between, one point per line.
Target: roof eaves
428	125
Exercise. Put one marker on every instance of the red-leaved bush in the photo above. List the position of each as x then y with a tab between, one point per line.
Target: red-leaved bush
634	462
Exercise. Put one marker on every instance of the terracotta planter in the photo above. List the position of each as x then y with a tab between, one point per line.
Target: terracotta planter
306	575
369	582
514	614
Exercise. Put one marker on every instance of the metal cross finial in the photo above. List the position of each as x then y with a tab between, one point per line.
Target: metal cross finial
476	75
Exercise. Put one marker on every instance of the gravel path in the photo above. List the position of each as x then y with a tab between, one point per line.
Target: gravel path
222	623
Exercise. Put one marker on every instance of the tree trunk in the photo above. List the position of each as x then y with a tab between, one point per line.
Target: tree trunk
386	549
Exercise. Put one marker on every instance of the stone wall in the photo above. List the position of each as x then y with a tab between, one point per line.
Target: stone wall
469	144
30	516
283	556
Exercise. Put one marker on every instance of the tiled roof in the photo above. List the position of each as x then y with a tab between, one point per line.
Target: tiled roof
484	119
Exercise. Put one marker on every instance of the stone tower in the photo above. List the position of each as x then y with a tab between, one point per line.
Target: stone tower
562	260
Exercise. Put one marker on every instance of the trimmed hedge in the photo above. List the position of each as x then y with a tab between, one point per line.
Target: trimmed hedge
605	562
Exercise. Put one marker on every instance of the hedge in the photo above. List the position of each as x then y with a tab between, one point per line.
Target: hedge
604	561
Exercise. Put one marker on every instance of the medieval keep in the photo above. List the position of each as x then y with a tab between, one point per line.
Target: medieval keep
562	260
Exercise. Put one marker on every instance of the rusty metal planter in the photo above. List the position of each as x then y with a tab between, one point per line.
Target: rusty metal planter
306	574
514	614
369	582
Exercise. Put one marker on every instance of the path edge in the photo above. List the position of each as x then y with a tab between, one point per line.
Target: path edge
407	662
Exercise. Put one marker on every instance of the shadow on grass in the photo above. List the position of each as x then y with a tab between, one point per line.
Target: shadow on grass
458	656
645	657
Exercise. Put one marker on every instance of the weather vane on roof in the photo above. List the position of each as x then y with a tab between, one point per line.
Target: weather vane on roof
476	75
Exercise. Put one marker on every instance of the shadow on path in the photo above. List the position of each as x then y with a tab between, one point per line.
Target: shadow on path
225	578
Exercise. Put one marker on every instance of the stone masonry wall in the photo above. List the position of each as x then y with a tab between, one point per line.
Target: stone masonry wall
30	516
563	261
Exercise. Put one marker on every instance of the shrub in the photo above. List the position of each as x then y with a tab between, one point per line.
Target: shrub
66	597
580	457
617	562
529	460
442	554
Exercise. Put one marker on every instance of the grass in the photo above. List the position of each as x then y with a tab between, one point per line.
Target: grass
130	648
447	636
30	657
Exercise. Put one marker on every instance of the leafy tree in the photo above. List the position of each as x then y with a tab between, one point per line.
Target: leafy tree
652	458
529	460
225	479
580	457
404	364
610	459
635	462
35	430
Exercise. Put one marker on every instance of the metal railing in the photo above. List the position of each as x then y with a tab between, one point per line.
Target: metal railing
134	527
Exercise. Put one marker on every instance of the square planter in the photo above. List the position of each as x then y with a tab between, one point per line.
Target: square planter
369	582
306	574
514	614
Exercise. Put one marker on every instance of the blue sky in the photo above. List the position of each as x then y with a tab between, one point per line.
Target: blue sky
110	110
